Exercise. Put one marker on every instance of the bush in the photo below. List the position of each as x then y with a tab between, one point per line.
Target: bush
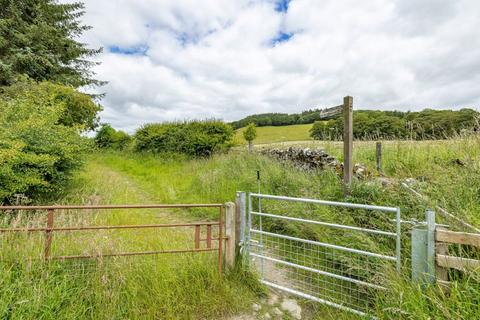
37	151
195	138
79	109
108	137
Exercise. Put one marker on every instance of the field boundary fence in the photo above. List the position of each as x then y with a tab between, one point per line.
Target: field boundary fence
437	251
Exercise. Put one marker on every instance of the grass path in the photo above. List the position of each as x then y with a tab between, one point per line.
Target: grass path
165	286
105	185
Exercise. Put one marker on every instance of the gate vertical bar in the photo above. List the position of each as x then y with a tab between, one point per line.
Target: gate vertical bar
209	236
220	239
261	239
399	240
49	234
249	234
197	236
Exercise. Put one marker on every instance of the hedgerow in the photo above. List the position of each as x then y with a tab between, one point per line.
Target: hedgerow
194	138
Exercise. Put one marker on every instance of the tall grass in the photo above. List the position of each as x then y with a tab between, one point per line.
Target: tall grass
184	286
447	171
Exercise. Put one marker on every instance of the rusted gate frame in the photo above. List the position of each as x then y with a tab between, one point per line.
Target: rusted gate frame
50	229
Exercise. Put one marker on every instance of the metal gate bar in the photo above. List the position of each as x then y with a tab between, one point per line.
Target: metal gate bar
305	258
329	274
326	245
49	229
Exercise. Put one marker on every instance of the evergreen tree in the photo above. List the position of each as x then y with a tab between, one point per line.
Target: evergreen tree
38	39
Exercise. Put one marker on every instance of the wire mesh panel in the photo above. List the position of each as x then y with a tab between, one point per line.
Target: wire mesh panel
299	246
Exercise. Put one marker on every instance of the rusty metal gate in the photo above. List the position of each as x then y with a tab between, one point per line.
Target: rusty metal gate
296	249
207	236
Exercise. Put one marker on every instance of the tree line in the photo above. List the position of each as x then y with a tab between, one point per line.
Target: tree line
372	124
278	119
426	124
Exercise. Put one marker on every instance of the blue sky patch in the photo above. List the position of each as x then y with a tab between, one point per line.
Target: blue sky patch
282	5
185	39
136	50
282	37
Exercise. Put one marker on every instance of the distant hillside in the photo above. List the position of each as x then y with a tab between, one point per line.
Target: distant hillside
271	134
278	119
372	124
312	115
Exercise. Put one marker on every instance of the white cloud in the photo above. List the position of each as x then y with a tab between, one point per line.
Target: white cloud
216	58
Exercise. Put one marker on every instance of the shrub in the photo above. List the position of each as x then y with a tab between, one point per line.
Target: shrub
108	137
37	151
79	109
250	133
195	138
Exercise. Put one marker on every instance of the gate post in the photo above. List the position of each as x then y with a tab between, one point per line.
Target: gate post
430	217
423	251
241	215
230	232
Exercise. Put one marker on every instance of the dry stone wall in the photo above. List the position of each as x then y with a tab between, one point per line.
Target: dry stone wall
312	159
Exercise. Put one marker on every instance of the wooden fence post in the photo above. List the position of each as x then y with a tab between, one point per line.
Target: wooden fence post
230	227
347	140
379	157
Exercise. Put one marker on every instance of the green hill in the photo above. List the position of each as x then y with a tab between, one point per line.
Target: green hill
270	134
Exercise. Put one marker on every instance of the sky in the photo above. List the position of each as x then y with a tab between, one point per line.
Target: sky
168	60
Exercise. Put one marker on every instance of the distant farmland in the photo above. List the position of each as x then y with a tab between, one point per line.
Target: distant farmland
270	134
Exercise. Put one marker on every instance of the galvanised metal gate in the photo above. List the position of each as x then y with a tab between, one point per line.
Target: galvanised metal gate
342	265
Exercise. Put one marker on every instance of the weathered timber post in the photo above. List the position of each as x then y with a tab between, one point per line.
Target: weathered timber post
379	157
230	232
347	140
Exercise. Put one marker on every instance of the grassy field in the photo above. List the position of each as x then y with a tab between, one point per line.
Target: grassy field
271	134
447	171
